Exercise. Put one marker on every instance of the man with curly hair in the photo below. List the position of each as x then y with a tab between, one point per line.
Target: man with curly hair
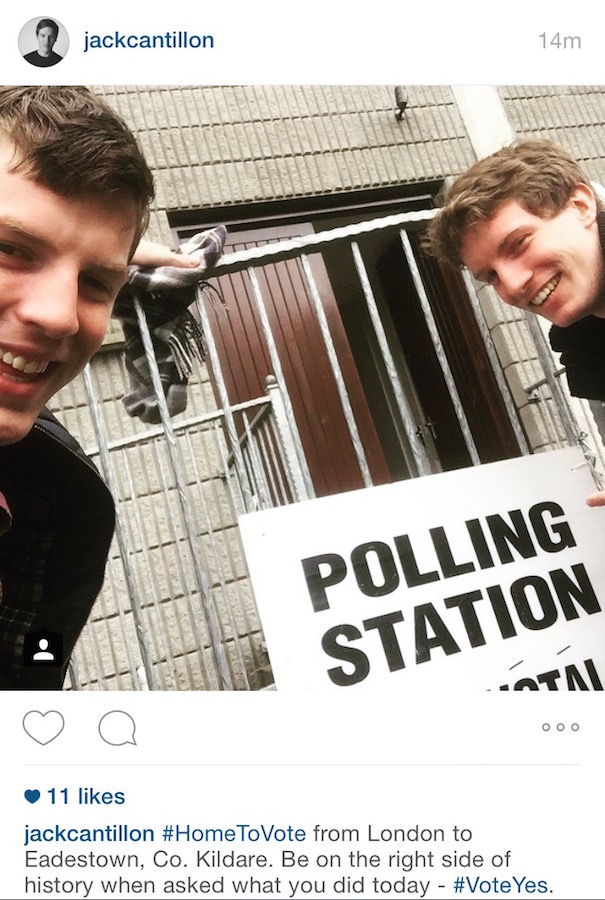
527	221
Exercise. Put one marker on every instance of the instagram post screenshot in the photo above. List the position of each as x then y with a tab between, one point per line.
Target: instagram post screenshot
302	452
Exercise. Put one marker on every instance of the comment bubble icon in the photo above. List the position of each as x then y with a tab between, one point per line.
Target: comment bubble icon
117	728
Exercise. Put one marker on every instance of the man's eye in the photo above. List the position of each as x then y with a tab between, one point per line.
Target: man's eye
98	285
12	251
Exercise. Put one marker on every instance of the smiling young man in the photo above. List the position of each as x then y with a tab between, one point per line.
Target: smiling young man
74	197
527	221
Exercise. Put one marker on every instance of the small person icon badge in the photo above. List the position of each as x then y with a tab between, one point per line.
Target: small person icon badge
43	648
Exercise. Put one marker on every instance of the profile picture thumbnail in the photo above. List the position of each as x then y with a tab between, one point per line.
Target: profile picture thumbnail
43	41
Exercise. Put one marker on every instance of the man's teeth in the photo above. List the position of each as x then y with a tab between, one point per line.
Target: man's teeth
28	367
546	291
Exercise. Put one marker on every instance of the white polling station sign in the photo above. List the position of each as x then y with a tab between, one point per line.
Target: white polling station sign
491	577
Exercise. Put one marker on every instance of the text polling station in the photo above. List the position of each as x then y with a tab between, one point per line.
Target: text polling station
490	578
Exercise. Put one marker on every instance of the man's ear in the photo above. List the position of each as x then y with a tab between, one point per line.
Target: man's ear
583	200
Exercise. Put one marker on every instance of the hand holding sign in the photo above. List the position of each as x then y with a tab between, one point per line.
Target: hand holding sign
596	499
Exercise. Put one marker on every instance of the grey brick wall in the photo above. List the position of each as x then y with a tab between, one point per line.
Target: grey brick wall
220	146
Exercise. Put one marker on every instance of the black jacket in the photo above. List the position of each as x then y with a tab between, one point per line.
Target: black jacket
582	347
52	559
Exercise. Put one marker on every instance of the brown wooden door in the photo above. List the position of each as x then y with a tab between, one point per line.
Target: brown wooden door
246	363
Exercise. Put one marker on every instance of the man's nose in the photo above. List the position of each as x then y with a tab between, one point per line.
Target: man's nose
51	303
513	278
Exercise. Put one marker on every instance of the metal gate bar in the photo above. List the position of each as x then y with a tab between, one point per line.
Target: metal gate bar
131	580
225	681
439	350
337	373
309	490
417	448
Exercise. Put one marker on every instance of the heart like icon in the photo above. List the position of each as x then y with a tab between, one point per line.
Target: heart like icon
43	727
32	796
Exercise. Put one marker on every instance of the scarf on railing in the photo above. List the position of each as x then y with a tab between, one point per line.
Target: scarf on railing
166	294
